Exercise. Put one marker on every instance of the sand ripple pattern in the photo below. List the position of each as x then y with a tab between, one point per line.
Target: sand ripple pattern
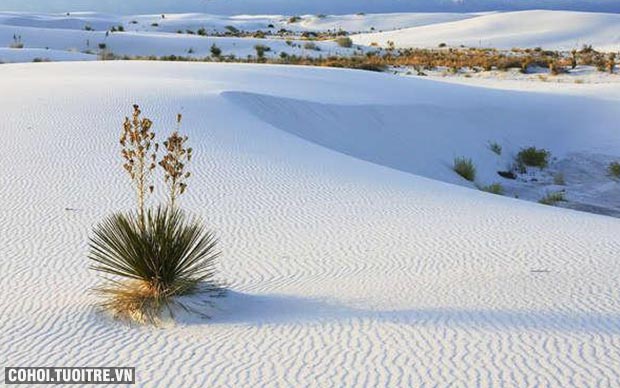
342	272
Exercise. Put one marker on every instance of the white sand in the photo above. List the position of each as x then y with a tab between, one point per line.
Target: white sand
342	272
561	30
60	33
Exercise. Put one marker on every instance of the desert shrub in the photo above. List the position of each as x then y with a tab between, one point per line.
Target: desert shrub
202	31
215	51
614	169
553	198
170	255
232	30
311	46
495	147
344	41
294	19
442	45
533	157
152	256
154	24
611	62
494	188
261	50
102	46
17	42
465	168
39	60
88	28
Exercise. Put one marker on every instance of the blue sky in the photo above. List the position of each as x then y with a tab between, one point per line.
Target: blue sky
296	6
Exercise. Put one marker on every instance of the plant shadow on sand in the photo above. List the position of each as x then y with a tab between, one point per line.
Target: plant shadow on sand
251	309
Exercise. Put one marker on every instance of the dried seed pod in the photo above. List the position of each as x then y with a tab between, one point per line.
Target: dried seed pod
136	143
174	163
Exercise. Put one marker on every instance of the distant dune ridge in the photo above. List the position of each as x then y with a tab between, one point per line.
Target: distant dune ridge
303	6
558	30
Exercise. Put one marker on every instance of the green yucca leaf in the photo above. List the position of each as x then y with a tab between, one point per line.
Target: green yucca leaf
172	253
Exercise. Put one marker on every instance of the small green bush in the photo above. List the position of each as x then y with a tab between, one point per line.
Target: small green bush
614	169
344	41
553	198
261	50
533	157
495	188
311	46
215	51
465	168
495	148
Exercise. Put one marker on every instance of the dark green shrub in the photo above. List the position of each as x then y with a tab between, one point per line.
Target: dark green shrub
533	157
215	51
465	168
614	169
495	188
553	198
171	255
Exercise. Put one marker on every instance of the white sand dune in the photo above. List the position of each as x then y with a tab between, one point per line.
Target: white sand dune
549	29
342	271
194	21
9	55
156	44
154	35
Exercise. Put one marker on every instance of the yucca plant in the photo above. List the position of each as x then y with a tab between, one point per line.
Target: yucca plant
170	255
150	257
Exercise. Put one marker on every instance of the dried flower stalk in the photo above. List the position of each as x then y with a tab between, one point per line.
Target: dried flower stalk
139	153
174	163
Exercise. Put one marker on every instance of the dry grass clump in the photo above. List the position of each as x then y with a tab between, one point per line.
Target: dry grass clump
553	198
494	188
17	42
344	41
152	256
465	168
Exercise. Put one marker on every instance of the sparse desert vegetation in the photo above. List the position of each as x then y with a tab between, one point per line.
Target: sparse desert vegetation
494	188
465	168
533	157
495	147
154	254
360	250
614	169
553	198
